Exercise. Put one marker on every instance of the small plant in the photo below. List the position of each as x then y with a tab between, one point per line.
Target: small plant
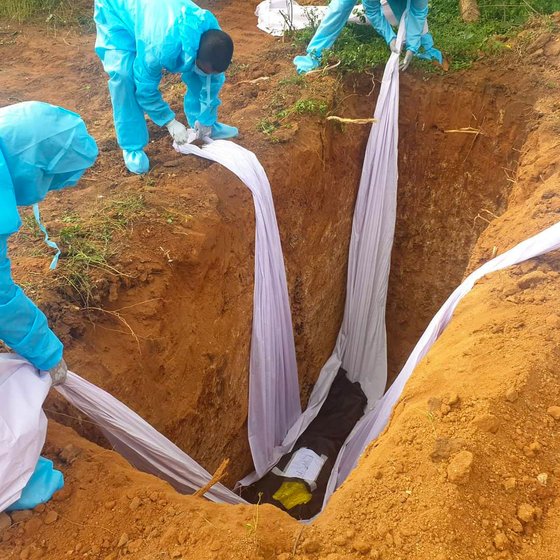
269	125
297	80
253	525
310	107
236	68
53	12
88	244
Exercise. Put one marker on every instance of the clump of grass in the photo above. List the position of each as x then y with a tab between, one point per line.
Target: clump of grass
54	12
310	107
296	80
88	244
358	47
25	9
269	125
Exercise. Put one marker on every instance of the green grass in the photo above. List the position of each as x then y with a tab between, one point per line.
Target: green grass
25	9
269	125
89	244
54	12
358	47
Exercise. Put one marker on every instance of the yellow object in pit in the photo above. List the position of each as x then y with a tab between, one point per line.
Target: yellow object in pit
292	494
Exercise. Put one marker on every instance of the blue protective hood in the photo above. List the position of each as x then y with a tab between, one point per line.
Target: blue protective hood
42	148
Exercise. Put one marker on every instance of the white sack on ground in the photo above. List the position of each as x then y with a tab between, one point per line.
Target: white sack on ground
23	424
371	425
278	16
138	442
274	403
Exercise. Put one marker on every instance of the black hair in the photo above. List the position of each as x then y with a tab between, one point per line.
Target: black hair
215	49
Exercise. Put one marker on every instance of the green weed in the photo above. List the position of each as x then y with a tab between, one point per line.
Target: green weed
236	68
89	244
297	80
269	125
54	12
310	107
358	47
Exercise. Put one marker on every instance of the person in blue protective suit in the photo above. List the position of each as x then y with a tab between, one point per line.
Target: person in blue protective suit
42	148
136	41
418	41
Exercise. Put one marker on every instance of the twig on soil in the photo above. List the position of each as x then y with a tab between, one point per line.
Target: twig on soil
261	79
351	121
86	525
488	212
51	411
138	303
466	130
120	318
219	475
294	549
325	69
372	84
479	217
474	139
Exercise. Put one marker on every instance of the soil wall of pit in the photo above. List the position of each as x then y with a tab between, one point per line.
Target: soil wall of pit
180	358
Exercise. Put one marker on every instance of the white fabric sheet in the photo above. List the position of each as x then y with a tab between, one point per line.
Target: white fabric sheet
141	444
23	424
274	403
361	344
275	17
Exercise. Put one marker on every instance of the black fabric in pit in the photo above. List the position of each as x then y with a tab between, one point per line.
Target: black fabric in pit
327	433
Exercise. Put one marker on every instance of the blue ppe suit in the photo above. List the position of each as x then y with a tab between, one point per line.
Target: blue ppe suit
136	41
42	148
338	13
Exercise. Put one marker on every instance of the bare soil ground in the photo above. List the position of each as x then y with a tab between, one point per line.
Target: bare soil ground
162	318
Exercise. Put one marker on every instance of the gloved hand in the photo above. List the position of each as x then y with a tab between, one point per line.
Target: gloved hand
202	131
59	373
406	60
178	131
393	46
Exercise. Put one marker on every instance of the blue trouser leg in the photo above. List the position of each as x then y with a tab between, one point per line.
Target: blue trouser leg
329	29
191	101
128	116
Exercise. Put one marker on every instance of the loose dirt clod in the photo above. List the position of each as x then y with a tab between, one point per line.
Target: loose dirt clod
5	521
51	517
21	515
554	411
487	423
460	466
526	513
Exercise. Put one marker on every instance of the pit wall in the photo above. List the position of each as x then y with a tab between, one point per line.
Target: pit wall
182	362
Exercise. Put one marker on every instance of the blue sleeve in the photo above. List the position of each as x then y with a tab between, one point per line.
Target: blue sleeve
415	24
23	327
147	78
378	21
10	221
209	99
